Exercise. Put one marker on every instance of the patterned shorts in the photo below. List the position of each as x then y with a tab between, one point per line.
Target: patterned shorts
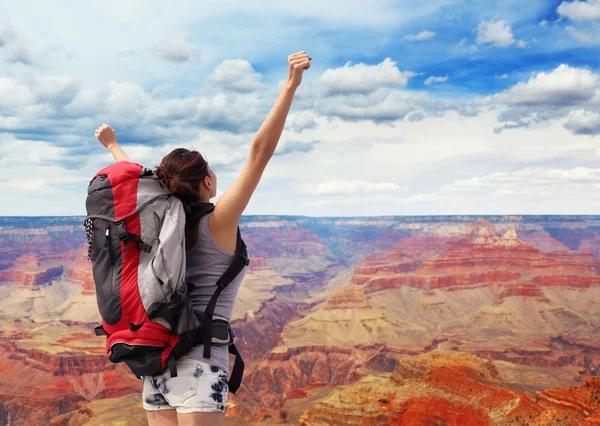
198	387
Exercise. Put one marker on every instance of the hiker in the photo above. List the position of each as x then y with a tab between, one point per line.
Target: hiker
198	394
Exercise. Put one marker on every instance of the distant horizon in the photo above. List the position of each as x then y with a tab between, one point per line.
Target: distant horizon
350	217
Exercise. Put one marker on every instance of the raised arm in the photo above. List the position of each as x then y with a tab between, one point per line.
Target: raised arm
107	137
233	202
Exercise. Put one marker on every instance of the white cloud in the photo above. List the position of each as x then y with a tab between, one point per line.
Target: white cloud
382	105
580	10
231	112
15	46
463	46
504	192
422	36
176	50
527	179
237	75
584	122
54	89
7	34
166	91
431	80
423	156
288	146
345	187
562	86
301	120
127	103
30	176
502	77
582	36
521	44
497	33
13	94
363	78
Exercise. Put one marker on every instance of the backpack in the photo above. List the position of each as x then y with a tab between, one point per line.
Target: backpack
135	230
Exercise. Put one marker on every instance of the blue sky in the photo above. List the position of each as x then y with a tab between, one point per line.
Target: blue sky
409	108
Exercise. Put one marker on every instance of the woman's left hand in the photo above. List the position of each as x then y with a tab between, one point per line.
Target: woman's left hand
106	135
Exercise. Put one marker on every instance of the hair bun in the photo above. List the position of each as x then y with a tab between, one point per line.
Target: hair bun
181	172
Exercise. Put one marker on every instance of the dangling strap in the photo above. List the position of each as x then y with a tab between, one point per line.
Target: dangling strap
141	246
172	365
238	370
237	264
99	331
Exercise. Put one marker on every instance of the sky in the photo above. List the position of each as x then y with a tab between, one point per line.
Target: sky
451	107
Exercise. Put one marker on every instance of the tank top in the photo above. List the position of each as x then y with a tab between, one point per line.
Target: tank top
205	263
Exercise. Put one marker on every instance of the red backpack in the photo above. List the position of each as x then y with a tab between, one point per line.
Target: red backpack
135	229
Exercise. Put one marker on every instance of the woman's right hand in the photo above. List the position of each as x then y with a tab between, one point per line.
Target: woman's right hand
297	64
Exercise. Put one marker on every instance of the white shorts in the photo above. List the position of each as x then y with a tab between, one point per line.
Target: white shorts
198	387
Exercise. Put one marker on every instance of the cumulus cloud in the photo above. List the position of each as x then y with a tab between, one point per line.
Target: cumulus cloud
13	94
176	50
380	106
366	92
166	91
583	122
34	166
363	78
580	10
522	44
526	180
422	36
230	112
347	187
14	46
301	120
431	80
56	89
582	36
463	46
564	85
503	191
287	146
237	75
497	33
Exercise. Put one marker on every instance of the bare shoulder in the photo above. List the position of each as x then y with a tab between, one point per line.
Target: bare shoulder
223	233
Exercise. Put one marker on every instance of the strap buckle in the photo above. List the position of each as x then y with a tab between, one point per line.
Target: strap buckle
121	231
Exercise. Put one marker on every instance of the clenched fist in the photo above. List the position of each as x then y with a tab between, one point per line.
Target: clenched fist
106	135
297	64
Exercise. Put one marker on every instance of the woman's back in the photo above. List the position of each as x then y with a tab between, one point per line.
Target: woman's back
206	262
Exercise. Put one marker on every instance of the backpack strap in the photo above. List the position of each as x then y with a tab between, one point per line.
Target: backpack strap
194	209
240	259
238	370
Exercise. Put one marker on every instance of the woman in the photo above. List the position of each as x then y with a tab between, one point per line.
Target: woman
198	395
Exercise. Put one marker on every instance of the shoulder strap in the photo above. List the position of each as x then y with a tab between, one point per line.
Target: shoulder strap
195	209
240	259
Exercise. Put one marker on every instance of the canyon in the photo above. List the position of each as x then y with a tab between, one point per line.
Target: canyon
391	320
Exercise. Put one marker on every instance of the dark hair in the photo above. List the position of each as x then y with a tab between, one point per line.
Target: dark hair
181	171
